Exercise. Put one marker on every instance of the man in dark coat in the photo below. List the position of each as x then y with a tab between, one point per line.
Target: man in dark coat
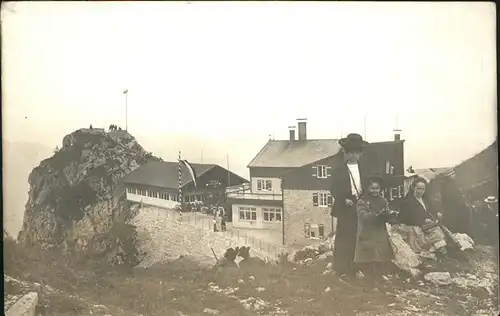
456	214
347	184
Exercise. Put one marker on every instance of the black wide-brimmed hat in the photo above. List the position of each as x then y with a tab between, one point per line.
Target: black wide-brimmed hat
353	141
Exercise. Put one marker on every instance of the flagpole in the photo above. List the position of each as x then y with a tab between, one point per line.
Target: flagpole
228	172
180	187
201	155
126	109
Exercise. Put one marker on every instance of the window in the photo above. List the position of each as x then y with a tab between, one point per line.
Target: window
163	195
322	199
154	194
133	190
150	194
248	213
314	231
272	214
395	192
264	185
389	169
175	198
321	172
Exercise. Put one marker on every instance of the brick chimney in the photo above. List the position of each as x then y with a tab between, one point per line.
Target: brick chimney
397	135
292	132
302	123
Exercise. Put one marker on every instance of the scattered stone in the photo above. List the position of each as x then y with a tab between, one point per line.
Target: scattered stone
414	272
465	242
439	278
260	289
251	277
427	255
412	308
241	281
253	303
328	289
211	311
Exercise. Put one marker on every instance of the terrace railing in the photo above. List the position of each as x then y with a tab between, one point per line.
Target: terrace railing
246	195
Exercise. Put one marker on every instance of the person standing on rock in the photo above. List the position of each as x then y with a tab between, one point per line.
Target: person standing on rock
347	183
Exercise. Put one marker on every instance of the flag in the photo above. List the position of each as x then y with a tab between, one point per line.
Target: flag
191	170
126	91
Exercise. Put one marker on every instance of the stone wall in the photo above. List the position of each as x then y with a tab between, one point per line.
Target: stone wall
298	211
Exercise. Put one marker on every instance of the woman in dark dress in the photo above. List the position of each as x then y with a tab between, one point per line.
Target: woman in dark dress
424	233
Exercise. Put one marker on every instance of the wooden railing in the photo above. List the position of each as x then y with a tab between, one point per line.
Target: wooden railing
245	195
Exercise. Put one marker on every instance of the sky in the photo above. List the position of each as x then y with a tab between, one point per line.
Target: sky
216	79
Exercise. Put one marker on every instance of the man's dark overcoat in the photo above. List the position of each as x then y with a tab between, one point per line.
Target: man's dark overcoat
347	217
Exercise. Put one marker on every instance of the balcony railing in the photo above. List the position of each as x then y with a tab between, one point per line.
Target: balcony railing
240	187
245	195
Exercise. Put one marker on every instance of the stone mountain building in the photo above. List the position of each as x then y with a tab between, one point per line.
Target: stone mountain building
290	183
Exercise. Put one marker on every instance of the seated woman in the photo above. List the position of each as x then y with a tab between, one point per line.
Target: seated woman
423	231
374	254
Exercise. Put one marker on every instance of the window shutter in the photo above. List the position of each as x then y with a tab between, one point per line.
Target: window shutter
259	185
307	230
328	171
315	171
330	200
315	199
321	231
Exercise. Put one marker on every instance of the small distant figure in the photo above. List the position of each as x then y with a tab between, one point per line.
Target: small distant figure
119	128
90	126
214	221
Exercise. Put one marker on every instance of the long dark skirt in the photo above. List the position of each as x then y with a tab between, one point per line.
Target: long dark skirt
345	241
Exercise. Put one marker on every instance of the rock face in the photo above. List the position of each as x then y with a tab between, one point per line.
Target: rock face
75	200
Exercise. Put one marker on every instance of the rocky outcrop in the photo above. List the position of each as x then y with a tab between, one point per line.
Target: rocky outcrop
75	198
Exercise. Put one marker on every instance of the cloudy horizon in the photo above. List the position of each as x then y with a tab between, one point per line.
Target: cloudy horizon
221	77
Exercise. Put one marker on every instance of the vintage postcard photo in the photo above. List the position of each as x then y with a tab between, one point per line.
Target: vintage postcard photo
192	158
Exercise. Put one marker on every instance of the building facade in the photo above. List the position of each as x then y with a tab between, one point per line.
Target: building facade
157	183
290	183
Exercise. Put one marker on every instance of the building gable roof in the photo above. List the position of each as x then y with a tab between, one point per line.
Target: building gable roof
164	174
295	153
430	173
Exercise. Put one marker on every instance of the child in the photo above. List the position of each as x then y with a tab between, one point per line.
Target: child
374	252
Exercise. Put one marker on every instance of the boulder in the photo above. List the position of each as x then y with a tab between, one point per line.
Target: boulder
439	278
